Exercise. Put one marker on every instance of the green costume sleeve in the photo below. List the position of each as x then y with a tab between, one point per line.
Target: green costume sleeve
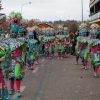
99	56
89	45
24	51
86	54
78	41
2	53
51	48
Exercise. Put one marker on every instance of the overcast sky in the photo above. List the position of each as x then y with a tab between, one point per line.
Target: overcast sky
48	10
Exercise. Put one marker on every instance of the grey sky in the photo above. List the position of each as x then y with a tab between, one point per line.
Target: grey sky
48	10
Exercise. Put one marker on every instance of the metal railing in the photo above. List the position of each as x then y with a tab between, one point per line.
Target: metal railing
93	2
95	16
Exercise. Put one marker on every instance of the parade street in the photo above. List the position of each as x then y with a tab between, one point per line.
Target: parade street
50	50
58	79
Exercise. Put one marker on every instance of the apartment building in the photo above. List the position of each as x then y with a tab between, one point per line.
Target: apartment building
94	11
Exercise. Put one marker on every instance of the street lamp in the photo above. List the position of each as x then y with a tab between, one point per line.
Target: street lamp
23	5
82	9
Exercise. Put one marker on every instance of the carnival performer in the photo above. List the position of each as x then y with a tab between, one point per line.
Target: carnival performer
36	33
60	42
31	48
48	42
72	43
52	41
15	47
94	48
41	39
82	45
3	69
66	42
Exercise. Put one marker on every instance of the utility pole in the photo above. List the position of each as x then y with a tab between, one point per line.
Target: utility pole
82	9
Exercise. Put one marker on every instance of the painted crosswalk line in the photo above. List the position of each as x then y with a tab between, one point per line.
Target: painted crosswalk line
35	70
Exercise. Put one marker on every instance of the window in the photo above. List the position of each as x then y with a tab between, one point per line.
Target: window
91	10
97	7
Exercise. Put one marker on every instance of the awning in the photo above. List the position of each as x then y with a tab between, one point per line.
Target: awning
95	21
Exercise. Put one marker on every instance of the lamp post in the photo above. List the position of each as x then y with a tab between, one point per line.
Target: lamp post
82	9
23	5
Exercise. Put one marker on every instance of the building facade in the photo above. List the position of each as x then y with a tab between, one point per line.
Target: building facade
94	11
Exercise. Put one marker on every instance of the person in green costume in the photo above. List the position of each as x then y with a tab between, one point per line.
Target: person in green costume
48	42
4	70
60	37
66	41
94	48
15	47
31	48
82	45
36	33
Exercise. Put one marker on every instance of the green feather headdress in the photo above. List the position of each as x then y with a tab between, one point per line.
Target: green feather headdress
13	14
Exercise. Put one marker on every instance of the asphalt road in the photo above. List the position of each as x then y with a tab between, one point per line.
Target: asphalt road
58	79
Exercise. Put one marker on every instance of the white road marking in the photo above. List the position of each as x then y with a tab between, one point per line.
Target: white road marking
35	70
21	90
43	59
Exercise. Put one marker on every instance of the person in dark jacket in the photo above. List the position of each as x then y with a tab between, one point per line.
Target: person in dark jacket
36	37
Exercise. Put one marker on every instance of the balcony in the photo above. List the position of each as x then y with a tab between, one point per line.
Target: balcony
93	2
95	16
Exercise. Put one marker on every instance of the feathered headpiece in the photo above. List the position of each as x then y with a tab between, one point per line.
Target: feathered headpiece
60	26
15	16
83	28
30	30
94	29
65	28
